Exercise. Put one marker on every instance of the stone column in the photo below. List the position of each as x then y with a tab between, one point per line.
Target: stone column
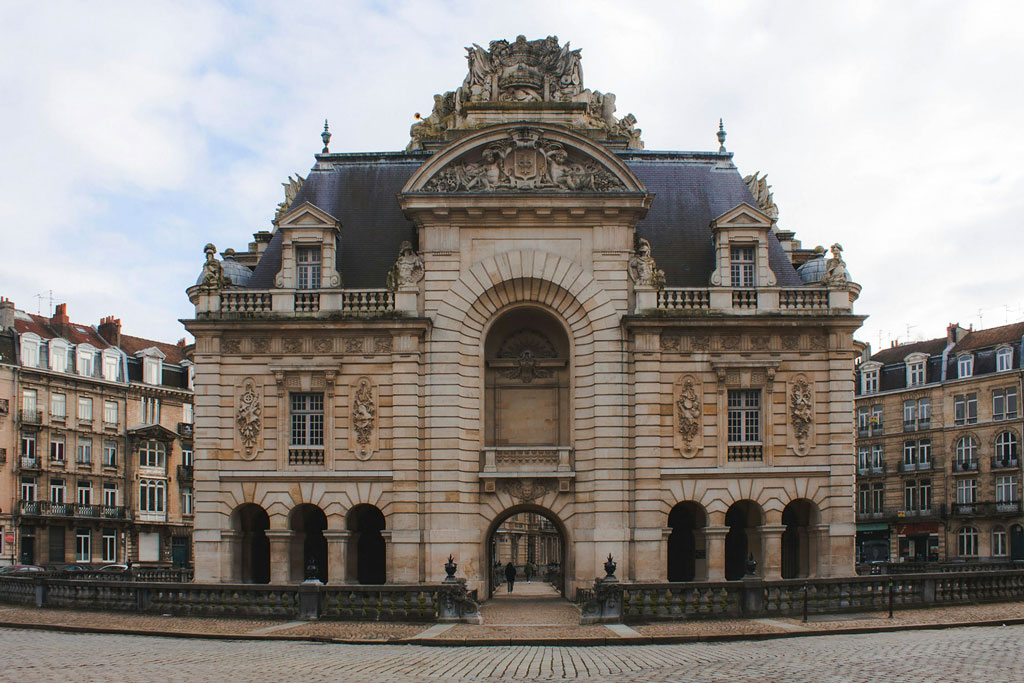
280	562
714	537
337	545
230	549
771	551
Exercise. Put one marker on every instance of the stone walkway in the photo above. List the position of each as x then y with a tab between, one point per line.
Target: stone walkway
534	615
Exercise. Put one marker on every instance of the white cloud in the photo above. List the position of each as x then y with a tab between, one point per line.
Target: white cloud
139	132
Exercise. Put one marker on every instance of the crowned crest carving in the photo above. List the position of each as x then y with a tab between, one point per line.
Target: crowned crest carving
801	411
524	161
530	73
527	349
249	417
527	490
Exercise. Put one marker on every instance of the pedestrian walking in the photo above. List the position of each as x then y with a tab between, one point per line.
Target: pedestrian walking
528	570
510	575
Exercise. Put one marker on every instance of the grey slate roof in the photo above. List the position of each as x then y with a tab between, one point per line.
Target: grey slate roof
690	190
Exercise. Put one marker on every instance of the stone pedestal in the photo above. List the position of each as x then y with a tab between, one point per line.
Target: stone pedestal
309	599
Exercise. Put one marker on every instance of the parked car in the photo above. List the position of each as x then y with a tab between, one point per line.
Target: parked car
21	569
113	568
77	567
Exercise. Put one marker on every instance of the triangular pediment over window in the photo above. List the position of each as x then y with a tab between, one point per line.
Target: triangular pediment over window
743	215
307	215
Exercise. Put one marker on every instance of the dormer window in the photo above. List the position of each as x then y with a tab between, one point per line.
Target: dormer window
152	370
110	365
307	263
965	366
741	261
85	359
1004	359
869	380
30	350
59	355
916	369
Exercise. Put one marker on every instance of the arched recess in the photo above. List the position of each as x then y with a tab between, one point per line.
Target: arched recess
1016	543
308	545
687	549
537	145
799	539
366	558
557	573
251	554
743	539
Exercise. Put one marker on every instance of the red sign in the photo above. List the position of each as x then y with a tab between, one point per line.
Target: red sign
9	537
917	528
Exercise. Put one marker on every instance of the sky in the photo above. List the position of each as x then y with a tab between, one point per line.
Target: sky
134	133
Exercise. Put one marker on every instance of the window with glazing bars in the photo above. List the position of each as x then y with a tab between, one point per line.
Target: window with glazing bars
307	261
307	419
744	416
742	263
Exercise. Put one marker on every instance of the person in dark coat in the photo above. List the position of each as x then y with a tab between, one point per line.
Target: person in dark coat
528	570
510	575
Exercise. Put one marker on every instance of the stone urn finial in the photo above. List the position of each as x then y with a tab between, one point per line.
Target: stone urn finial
449	567
312	570
751	565
609	569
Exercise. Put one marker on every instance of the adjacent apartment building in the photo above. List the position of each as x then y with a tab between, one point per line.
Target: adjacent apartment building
938	449
98	430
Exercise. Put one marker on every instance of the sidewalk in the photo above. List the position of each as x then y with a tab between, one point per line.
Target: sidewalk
528	617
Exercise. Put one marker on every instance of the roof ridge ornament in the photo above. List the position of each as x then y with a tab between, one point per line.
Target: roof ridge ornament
326	137
721	137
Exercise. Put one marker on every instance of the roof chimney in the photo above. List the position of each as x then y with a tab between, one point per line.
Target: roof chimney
60	321
954	333
6	313
110	330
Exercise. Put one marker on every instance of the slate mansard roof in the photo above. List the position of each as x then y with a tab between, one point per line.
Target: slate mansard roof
690	190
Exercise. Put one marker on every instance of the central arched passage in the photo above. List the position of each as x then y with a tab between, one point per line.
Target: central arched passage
252	557
531	539
743	540
309	547
687	555
367	556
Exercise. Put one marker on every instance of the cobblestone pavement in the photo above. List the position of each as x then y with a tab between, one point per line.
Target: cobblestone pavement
982	655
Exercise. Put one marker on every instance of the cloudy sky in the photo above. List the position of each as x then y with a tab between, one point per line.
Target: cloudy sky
134	133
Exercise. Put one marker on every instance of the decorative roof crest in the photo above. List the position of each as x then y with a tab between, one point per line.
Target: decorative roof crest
762	192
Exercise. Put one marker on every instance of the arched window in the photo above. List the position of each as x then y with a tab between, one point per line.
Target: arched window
151	454
1006	447
966	453
1004	359
999	545
967	542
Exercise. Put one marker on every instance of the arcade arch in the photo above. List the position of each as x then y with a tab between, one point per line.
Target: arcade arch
744	520
527	533
687	548
366	560
308	546
799	539
252	557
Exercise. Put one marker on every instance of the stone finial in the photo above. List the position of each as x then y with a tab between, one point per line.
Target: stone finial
326	137
721	136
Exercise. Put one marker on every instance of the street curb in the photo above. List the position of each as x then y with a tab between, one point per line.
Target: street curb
522	642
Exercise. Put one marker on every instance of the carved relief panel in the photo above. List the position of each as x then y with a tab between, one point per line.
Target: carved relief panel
801	413
249	419
687	411
364	418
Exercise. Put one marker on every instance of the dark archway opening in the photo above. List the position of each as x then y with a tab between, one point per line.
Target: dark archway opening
251	523
798	517
743	518
686	542
527	536
367	551
1016	543
308	545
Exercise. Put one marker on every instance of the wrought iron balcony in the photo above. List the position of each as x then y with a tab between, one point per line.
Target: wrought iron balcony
185	429
29	462
46	508
965	466
1011	462
31	417
185	473
987	509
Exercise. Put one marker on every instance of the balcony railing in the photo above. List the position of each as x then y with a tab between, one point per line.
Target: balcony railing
744	452
987	509
367	301
307	302
863	515
357	302
185	473
803	300
246	302
744	298
683	299
29	462
527	459
873	469
965	465
789	300
305	456
31	417
1004	463
916	466
185	428
46	508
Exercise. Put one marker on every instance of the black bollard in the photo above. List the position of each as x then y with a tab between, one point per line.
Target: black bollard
805	603
891	598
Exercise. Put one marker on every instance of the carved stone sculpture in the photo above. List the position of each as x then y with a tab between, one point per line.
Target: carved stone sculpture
762	192
407	270
688	411
527	490
249	417
291	190
364	415
526	161
524	71
213	272
528	350
642	268
801	407
835	267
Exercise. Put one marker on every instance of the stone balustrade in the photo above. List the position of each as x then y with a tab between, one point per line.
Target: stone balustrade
245	303
790	300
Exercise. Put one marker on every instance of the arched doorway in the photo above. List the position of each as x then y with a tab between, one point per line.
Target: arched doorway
1016	543
527	534
686	548
252	556
743	539
367	552
797	557
308	544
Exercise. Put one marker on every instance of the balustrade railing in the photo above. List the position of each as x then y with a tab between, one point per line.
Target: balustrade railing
803	300
245	302
367	301
305	456
307	302
744	452
684	299
744	298
46	508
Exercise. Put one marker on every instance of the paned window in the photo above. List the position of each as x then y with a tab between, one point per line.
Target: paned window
110	454
152	369
84	409
878	497
742	266
924	413
152	454
57	491
186	457
84	493
967	542
1006	489
910	454
999	546
910	495
863	458
965	409
28	489
29	405
1004	360
863	420
924	494
924	451
864	499
83	545
1004	403
151	411
109	546
58	406
84	455
1006	447
85	362
59	356
965	366
876	419
57	446
307	261
877	456
30	351
870	380
110	366
152	495
187	501
28	445
307	418
917	374
966	491
966	452
744	418
909	416
110	495
110	412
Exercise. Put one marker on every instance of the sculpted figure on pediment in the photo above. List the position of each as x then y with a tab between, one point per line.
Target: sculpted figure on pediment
407	270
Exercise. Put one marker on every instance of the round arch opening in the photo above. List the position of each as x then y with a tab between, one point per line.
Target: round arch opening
743	541
799	539
527	536
366	560
687	549
252	547
308	552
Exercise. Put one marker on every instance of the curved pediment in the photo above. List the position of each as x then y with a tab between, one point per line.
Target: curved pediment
524	158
